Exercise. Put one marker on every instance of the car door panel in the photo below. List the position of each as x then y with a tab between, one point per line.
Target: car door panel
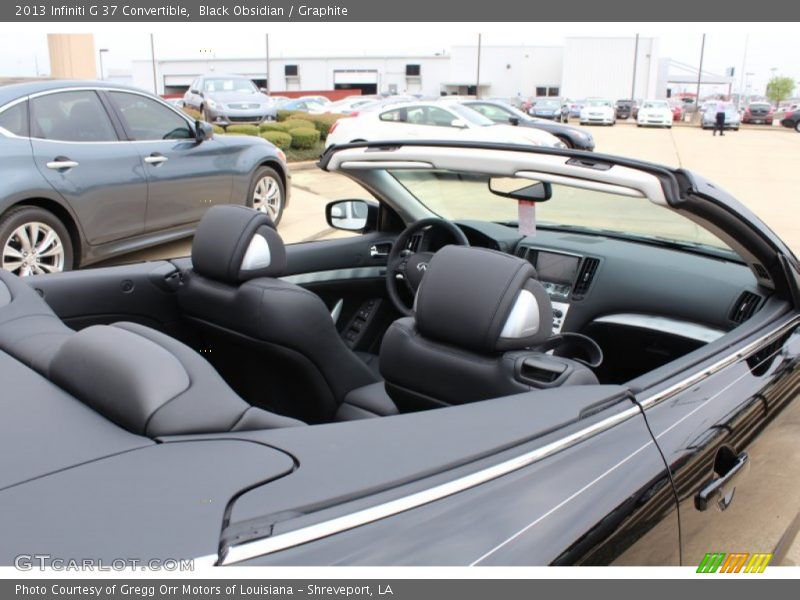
736	431
100	177
184	177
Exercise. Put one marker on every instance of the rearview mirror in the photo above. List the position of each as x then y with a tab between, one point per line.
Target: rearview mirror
521	189
513	120
203	131
347	215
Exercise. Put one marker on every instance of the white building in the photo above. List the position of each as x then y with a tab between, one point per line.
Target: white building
582	67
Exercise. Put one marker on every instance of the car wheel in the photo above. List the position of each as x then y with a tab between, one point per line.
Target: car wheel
33	241
267	193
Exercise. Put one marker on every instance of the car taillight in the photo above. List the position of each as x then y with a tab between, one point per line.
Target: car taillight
333	127
353	114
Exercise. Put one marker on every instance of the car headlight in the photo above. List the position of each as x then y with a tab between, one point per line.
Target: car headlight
559	145
212	104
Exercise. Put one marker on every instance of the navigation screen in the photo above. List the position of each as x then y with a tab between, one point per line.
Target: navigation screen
556	268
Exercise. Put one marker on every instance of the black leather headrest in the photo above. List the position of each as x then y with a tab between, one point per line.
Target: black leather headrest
236	243
482	300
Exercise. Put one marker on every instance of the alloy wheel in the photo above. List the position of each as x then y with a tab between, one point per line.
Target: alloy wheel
33	249
267	197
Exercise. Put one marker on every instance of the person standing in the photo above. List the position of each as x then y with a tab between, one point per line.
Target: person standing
720	122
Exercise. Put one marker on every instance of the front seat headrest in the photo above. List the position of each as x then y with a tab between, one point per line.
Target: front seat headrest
235	243
482	300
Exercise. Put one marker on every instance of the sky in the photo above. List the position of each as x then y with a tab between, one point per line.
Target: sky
770	48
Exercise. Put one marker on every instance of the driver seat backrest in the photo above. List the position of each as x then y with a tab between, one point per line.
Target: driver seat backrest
477	313
233	291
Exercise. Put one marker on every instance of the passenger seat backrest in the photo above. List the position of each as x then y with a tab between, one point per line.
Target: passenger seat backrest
152	384
477	315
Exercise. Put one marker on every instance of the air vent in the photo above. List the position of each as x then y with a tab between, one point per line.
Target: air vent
585	276
745	307
761	271
522	251
414	242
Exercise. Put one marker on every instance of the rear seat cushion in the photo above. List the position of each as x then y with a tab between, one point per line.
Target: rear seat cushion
29	329
152	384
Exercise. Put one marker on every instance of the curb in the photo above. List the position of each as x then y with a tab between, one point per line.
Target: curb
303	165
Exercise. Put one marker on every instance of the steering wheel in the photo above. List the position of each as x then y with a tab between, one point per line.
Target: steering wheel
410	267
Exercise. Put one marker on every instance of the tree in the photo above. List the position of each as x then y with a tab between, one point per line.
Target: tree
780	88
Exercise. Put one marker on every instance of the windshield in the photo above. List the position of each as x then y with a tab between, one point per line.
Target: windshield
547	104
465	196
230	84
470	115
597	103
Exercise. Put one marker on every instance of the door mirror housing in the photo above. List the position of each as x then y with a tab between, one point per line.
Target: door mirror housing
203	131
196	92
513	120
352	215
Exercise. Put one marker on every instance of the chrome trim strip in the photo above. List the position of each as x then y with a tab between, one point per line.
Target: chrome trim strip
728	360
685	329
336	275
324	529
317	531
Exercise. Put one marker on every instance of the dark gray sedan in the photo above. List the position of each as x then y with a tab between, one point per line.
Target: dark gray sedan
92	170
502	112
229	99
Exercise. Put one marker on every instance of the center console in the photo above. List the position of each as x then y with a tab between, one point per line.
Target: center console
557	272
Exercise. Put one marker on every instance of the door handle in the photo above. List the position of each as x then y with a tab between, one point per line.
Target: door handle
156	158
720	491
380	250
62	162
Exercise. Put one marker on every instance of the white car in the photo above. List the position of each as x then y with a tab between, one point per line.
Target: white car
655	113
343	107
600	112
433	121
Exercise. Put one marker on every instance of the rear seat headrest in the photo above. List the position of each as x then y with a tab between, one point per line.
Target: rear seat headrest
483	301
235	243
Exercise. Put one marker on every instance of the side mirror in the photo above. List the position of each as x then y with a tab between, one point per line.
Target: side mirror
203	131
458	123
513	120
348	215
196	92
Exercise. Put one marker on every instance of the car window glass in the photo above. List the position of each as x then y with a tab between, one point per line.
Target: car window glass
399	115
492	112
437	117
71	117
15	119
148	119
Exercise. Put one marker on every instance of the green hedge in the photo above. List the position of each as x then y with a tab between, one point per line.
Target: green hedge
281	139
218	129
304	137
285	115
273	127
245	129
297	123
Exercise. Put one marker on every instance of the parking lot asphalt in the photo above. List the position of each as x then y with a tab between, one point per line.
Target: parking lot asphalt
758	165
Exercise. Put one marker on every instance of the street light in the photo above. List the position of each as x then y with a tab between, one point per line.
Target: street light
100	55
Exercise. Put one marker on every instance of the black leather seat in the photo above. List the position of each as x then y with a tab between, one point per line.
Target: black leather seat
477	313
29	329
233	290
152	384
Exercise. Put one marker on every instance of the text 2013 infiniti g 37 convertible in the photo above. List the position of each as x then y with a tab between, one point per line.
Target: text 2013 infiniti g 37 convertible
527	356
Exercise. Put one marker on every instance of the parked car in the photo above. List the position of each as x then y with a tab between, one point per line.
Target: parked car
94	170
758	112
432	121
574	108
624	108
302	105
654	113
732	118
324	100
210	408
228	99
792	120
503	113
546	108
598	112
343	107
677	110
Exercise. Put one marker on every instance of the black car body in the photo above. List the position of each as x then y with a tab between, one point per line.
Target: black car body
792	120
647	466
625	109
502	112
108	169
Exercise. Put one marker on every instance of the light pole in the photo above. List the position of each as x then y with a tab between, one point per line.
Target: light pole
100	56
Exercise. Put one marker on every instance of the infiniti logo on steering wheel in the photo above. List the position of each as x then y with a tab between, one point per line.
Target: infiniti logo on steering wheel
423	266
